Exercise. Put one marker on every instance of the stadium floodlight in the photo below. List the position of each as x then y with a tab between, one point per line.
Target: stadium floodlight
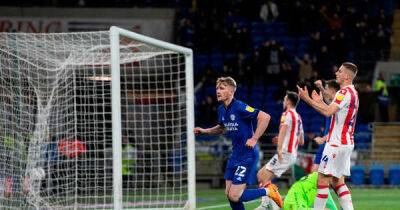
95	120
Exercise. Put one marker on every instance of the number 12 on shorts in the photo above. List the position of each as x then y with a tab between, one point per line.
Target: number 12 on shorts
240	171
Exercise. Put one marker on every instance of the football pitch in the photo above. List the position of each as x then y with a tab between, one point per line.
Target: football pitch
363	199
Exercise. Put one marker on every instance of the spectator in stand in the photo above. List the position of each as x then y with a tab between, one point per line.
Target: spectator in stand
273	67
323	62
380	88
269	11
383	42
255	63
334	22
305	67
316	42
187	33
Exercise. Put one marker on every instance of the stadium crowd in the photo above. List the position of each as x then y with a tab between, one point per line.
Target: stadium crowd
269	46
269	51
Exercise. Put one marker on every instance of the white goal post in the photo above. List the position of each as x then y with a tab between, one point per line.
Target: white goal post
96	120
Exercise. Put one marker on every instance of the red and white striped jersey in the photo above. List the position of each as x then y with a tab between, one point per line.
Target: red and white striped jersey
343	122
293	132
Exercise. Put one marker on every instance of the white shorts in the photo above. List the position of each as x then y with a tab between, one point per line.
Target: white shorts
278	168
335	161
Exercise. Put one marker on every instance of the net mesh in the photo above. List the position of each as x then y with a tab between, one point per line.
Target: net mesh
56	125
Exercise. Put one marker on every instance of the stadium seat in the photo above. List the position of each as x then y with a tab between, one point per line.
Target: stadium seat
257	26
363	128
258	89
358	175
376	174
230	56
256	104
303	48
199	97
242	24
209	91
303	40
362	146
362	140
217	61
242	93
268	31
272	89
258	40
277	25
394	175
258	96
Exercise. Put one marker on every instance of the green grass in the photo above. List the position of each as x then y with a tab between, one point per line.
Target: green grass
363	199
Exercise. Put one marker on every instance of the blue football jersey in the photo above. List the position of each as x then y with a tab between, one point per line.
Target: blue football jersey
318	154
327	125
238	119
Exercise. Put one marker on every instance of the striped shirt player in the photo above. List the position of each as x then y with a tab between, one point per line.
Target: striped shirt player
290	136
335	162
340	142
293	135
295	129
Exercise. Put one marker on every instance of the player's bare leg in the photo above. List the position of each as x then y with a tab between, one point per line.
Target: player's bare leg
236	191
235	204
239	194
343	193
228	184
315	168
264	177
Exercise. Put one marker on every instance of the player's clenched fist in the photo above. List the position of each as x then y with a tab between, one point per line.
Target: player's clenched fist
250	143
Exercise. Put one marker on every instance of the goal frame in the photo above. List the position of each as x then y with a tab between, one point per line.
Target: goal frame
115	34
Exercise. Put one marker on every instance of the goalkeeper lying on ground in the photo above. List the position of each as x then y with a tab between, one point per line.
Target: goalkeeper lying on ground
302	193
300	196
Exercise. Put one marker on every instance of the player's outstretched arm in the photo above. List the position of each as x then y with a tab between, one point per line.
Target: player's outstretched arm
216	130
321	107
262	124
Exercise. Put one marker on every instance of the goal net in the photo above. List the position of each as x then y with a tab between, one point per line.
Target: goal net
95	120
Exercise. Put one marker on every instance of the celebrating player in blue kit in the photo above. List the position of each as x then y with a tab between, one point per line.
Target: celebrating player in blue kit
235	121
328	93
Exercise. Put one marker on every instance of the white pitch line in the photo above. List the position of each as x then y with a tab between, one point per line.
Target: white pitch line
223	205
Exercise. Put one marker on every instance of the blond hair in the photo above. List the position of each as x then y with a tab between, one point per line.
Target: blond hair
228	81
